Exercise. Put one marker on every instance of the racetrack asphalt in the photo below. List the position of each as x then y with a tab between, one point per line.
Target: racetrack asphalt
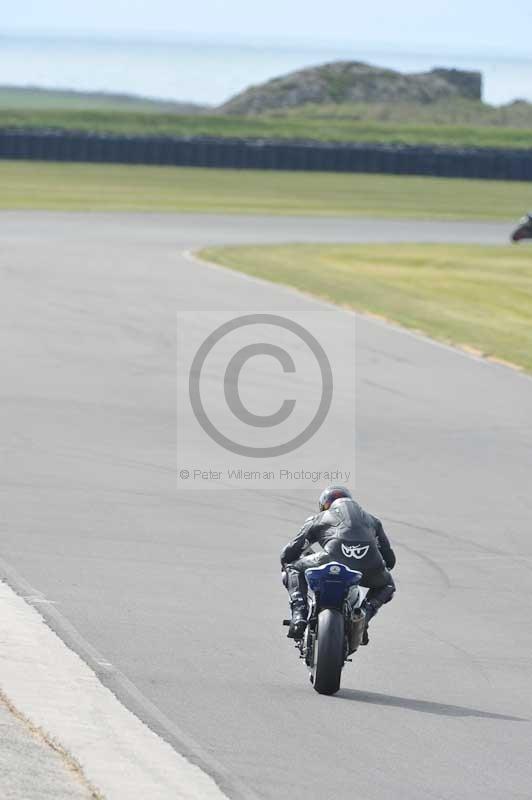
185	603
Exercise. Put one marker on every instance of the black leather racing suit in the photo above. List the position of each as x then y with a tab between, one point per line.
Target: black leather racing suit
347	534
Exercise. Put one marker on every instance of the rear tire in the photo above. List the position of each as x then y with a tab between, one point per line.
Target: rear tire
328	652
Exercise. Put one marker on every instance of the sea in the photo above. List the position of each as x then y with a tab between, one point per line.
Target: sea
209	72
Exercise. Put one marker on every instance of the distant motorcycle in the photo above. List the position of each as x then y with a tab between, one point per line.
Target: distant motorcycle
335	625
524	230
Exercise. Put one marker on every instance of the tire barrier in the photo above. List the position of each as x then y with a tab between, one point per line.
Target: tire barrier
495	164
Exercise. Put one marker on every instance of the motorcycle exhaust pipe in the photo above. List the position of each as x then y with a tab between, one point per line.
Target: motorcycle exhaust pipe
358	623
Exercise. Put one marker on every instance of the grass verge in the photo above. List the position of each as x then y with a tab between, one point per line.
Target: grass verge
473	296
452	125
111	187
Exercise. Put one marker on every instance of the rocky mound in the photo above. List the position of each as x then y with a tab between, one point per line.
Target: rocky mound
354	82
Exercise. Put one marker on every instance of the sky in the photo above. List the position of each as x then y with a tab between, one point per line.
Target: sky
477	25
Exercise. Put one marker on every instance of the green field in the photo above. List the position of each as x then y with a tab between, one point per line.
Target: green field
110	187
31	99
457	125
474	296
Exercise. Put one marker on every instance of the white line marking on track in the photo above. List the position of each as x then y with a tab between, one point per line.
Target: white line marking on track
33	600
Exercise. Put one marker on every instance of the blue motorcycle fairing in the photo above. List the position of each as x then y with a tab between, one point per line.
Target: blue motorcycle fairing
332	581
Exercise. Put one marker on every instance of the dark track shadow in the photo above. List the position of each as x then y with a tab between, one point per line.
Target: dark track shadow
424	706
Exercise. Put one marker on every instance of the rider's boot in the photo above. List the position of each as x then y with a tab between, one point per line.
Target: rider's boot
376	598
298	622
370	610
297	591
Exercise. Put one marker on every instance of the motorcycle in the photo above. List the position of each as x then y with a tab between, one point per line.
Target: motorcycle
524	230
335	624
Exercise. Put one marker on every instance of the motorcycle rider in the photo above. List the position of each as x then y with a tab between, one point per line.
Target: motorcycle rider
349	535
524	229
